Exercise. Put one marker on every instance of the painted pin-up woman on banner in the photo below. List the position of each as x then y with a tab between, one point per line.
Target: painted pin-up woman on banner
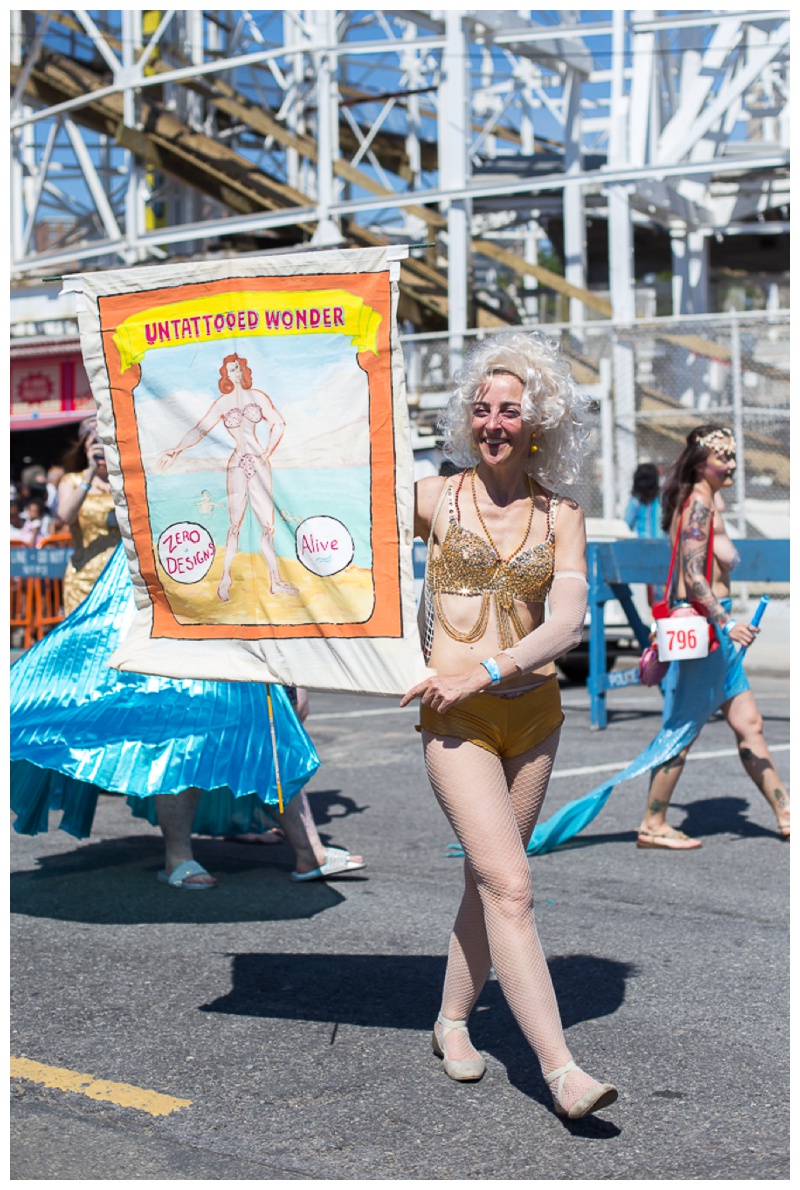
241	409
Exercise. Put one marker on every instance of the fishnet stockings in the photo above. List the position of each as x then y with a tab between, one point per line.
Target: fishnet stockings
492	805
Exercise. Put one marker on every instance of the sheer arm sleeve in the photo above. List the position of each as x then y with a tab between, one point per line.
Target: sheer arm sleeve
563	628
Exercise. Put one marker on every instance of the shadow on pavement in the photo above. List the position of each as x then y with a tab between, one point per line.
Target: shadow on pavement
587	988
588	840
404	991
329	805
386	991
704	818
723	816
114	881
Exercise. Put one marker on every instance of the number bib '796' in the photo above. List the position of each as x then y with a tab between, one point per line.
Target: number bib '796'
682	638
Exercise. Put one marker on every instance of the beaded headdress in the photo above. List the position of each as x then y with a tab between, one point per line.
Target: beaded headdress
722	442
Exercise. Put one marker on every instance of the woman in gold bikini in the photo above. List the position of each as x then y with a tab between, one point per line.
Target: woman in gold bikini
241	408
500	543
86	505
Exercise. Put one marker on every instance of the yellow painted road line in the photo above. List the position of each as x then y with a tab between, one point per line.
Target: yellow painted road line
123	1094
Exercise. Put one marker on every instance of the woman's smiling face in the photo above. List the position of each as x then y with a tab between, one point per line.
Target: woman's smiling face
498	430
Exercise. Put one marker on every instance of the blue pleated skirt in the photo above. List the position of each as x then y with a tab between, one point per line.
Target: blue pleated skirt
80	728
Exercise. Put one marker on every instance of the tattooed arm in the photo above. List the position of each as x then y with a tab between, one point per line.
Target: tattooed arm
694	552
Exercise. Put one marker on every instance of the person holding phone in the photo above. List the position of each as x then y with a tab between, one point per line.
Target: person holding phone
86	506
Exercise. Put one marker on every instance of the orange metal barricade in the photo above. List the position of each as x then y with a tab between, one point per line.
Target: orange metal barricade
47	594
21	609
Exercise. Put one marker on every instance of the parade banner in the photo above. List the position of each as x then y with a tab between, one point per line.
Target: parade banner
254	417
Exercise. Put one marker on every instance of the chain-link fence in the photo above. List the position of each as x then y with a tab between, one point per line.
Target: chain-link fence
652	382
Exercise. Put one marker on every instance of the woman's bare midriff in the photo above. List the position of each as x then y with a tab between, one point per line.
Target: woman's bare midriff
450	656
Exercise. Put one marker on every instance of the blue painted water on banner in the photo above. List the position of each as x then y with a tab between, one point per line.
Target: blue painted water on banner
201	497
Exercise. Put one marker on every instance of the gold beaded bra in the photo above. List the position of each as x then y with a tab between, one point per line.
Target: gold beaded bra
470	565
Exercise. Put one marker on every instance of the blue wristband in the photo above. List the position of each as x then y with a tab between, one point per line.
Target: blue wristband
493	670
728	626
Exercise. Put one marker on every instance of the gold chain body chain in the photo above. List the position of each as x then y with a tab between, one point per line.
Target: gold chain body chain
507	615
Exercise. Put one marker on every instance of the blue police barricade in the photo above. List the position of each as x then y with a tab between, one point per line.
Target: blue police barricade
615	565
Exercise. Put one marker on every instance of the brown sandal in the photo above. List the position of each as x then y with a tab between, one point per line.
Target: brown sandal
672	840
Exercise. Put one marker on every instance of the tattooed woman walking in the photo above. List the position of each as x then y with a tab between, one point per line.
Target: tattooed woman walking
691	505
695	689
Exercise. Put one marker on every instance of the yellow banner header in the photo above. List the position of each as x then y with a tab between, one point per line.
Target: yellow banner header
240	315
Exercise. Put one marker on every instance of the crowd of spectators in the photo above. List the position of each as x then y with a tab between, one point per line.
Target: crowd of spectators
34	505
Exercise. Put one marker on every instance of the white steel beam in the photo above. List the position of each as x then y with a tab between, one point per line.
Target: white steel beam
574	217
453	129
620	269
237	225
685	68
39	185
99	42
327	231
134	194
641	100
692	121
93	182
184	74
30	61
689	271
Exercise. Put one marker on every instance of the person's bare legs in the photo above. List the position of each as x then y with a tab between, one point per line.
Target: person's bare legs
742	715
175	813
469	961
663	780
471	786
744	718
275	834
237	507
260	489
297	823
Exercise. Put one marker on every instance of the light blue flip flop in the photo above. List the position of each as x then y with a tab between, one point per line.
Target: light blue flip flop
177	878
337	860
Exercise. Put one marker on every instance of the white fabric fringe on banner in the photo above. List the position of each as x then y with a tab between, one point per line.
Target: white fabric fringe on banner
255	422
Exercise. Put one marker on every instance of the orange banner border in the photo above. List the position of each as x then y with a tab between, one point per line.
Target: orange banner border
374	289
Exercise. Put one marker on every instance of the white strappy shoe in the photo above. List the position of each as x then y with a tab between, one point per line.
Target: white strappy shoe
467	1070
593	1100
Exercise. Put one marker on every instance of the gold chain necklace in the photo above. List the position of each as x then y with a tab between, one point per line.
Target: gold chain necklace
501	561
507	617
503	600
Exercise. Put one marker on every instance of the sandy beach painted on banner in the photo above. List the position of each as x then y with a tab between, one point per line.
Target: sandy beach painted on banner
345	598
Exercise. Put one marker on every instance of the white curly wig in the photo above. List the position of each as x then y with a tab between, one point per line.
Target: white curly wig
551	404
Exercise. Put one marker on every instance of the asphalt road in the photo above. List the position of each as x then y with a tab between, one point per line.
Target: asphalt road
296	1018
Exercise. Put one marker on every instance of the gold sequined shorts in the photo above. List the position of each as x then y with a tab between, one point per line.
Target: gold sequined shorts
505	726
